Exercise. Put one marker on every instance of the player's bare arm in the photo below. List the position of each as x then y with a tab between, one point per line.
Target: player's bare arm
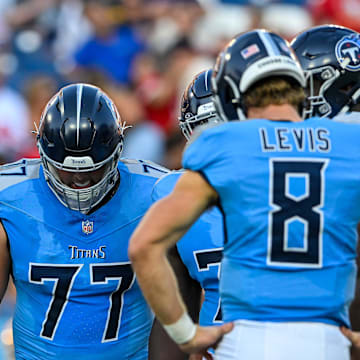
150	242
190	289
174	215
160	344
4	261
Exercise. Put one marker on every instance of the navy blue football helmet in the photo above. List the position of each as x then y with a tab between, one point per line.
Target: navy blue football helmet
80	133
330	57
247	59
197	105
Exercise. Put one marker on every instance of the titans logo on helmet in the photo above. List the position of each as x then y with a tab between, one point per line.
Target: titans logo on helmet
347	52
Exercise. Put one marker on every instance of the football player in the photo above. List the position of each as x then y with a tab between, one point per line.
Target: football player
66	220
290	193
330	57
200	249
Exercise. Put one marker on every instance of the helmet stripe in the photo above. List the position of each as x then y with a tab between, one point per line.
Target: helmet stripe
269	43
206	80
78	110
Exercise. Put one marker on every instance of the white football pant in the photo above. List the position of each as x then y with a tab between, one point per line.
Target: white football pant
254	340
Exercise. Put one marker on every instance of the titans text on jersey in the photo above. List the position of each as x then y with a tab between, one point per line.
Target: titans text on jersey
77	253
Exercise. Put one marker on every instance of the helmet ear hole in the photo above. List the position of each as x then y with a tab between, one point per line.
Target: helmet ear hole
230	101
237	102
229	96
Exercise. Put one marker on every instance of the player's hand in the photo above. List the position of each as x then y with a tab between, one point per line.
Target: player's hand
201	356
353	336
206	337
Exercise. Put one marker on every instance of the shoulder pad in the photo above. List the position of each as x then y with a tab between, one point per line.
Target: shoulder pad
17	172
145	167
350	118
165	184
172	174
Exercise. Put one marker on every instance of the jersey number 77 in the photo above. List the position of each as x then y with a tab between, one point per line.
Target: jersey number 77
63	275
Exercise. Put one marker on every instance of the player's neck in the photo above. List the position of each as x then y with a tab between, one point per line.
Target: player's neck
274	112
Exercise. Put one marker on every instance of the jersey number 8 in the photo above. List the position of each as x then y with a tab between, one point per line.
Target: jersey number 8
288	209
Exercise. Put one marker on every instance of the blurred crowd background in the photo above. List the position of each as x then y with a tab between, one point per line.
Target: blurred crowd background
143	53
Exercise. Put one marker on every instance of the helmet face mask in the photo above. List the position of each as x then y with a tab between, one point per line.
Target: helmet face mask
81	199
191	122
197	106
80	142
327	55
318	81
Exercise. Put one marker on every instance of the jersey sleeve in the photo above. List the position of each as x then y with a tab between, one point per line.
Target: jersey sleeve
165	185
208	155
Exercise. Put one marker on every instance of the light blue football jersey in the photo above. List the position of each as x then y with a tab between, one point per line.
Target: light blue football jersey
290	193
200	250
77	296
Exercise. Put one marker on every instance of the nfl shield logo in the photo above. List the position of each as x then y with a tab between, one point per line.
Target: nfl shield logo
87	227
